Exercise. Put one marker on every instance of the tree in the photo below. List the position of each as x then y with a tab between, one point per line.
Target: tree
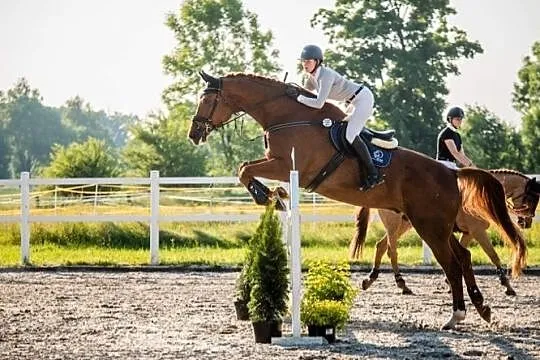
161	144
31	128
83	123
405	49
93	158
4	146
490	142
221	37
526	99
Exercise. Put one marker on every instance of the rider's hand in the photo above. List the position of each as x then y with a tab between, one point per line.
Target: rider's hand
292	91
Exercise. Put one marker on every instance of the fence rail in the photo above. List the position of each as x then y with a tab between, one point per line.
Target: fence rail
154	215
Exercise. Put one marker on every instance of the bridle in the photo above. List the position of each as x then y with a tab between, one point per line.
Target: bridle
205	124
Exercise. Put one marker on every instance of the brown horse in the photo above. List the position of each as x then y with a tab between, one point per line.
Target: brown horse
522	199
427	192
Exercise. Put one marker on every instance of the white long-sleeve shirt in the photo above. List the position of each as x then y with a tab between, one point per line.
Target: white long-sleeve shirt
329	85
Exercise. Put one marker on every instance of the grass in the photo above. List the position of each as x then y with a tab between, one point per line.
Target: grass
51	255
206	244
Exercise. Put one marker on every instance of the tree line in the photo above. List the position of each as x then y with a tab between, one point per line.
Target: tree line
404	49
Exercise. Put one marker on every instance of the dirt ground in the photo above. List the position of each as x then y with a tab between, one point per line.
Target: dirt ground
190	315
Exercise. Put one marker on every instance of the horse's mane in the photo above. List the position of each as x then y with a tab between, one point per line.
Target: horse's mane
508	171
278	83
256	78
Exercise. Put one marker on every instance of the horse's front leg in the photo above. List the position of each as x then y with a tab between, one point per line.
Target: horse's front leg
269	169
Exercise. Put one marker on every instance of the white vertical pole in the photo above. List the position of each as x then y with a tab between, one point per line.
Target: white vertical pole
296	263
25	214
154	217
95	199
427	253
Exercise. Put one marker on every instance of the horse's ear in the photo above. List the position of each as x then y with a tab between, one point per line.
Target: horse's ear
205	76
212	81
535	186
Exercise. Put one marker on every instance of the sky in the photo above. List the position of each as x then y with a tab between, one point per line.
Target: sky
109	52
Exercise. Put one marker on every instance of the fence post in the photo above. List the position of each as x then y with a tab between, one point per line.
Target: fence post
154	217
25	214
426	253
296	262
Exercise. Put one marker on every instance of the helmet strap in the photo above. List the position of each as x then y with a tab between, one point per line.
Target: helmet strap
319	62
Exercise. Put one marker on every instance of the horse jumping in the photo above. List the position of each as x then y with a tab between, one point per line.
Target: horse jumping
427	192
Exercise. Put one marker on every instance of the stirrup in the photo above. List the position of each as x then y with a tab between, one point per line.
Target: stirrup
371	182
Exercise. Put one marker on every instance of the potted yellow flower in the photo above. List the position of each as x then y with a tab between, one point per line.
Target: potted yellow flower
328	298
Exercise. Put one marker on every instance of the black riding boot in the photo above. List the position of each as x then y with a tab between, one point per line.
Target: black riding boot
364	161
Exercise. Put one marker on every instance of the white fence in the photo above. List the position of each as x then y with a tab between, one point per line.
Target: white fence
155	216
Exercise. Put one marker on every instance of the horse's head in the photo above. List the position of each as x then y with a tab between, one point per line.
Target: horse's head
529	203
213	111
523	195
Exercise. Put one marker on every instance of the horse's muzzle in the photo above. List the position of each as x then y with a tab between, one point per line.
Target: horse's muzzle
198	131
524	222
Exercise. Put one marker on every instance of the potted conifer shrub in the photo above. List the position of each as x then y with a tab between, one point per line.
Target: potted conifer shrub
269	279
243	287
243	282
328	298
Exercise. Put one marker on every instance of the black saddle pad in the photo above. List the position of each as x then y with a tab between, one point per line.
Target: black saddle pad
381	157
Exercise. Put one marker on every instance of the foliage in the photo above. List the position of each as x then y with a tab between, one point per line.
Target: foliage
526	99
223	37
245	279
326	281
491	143
29	130
160	144
325	312
328	295
92	158
269	292
405	49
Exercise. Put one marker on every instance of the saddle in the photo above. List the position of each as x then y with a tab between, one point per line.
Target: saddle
378	142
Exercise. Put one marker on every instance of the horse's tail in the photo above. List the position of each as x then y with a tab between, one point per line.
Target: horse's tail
361	219
483	196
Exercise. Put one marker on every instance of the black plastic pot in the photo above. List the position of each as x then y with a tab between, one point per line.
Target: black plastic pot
326	331
265	330
242	312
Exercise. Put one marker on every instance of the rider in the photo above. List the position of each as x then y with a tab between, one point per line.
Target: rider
449	145
359	99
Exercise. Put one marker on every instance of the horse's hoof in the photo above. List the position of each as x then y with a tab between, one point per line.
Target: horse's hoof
280	205
365	284
486	313
457	317
282	193
406	291
510	292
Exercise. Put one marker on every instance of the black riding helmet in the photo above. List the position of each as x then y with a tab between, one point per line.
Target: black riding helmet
312	52
455	112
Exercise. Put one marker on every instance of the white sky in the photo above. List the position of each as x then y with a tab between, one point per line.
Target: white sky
109	52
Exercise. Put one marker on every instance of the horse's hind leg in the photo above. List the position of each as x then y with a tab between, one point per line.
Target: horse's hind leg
483	239
436	234
464	257
393	236
380	249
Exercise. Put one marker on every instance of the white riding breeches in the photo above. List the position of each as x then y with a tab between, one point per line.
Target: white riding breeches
449	164
358	112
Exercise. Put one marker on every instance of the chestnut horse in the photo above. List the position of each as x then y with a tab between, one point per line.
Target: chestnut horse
522	199
427	192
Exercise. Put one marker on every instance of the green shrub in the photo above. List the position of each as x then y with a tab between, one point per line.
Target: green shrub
270	285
